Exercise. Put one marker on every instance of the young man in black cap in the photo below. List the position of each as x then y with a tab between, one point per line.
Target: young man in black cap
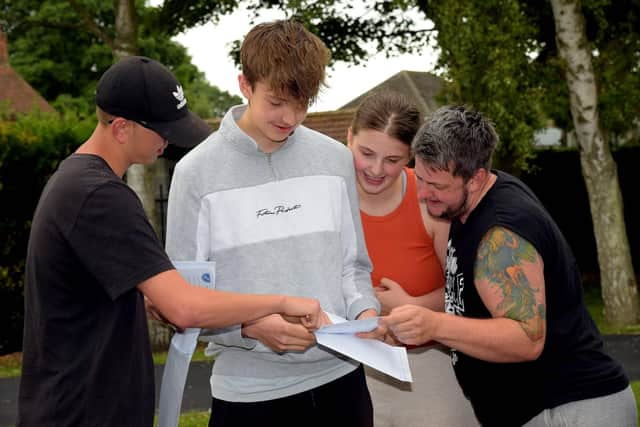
93	254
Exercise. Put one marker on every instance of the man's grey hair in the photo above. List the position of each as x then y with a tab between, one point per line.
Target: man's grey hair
457	140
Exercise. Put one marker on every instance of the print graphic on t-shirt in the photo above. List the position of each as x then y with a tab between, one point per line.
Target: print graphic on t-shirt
277	210
453	300
270	212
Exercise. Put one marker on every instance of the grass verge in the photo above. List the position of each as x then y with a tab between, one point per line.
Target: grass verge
11	364
635	386
160	357
191	419
593	299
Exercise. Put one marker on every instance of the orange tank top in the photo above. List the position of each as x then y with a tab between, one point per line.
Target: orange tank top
400	248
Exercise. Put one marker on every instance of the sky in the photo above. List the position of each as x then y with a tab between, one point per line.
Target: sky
208	47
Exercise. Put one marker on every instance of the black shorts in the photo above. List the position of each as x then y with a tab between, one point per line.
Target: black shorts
342	402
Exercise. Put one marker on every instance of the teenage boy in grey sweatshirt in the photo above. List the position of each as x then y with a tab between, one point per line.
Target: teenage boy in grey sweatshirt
274	204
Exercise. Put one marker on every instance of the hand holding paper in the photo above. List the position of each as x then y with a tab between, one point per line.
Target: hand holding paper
341	337
279	334
341	326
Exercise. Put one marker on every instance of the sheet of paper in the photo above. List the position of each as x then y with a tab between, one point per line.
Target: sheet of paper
351	327
198	273
181	348
383	357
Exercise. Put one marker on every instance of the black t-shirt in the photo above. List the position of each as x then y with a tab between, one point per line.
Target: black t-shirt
573	365
86	353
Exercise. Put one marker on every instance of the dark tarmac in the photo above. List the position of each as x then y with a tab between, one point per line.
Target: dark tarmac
197	395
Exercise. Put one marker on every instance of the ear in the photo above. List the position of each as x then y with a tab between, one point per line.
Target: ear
349	137
245	87
120	130
478	179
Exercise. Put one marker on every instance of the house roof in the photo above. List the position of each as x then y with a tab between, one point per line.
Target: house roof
420	87
331	123
14	90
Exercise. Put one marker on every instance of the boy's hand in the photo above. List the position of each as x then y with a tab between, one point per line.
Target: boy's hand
367	313
324	320
307	310
278	334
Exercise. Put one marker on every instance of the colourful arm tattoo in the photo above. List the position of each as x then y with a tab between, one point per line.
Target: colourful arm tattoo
505	262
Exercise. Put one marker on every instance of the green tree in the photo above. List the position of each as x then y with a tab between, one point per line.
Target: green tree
619	287
62	47
528	57
486	50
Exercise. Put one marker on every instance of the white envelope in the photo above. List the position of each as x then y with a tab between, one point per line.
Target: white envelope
176	368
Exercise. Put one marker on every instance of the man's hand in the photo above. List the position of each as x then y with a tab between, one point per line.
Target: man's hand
380	333
278	334
411	324
391	295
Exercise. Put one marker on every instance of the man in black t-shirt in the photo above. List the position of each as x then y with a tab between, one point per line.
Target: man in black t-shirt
93	258
524	348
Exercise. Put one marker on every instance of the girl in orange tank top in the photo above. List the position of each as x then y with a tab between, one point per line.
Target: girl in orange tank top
405	244
400	247
407	248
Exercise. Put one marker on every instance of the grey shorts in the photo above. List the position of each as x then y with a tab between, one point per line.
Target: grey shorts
617	409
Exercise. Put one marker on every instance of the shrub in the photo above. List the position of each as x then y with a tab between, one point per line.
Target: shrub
31	147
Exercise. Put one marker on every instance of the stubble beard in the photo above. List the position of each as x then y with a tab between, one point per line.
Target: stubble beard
454	213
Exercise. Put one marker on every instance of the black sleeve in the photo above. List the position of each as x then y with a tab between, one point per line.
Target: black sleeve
115	241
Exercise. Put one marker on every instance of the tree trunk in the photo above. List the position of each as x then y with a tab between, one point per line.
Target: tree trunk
139	177
617	278
125	42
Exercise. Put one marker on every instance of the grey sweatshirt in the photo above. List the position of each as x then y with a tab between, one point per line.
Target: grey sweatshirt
287	222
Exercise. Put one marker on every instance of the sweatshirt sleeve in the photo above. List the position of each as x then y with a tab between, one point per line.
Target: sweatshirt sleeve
183	211
356	275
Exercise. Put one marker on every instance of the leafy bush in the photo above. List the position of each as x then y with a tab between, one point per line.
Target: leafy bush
31	147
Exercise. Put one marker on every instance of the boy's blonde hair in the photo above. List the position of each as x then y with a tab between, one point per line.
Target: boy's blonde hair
287	57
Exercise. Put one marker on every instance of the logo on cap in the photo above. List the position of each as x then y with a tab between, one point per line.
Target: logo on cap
179	95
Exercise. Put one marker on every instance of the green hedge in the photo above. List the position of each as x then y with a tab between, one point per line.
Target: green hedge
30	149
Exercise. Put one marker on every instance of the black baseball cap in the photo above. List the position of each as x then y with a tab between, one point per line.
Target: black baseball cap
143	90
